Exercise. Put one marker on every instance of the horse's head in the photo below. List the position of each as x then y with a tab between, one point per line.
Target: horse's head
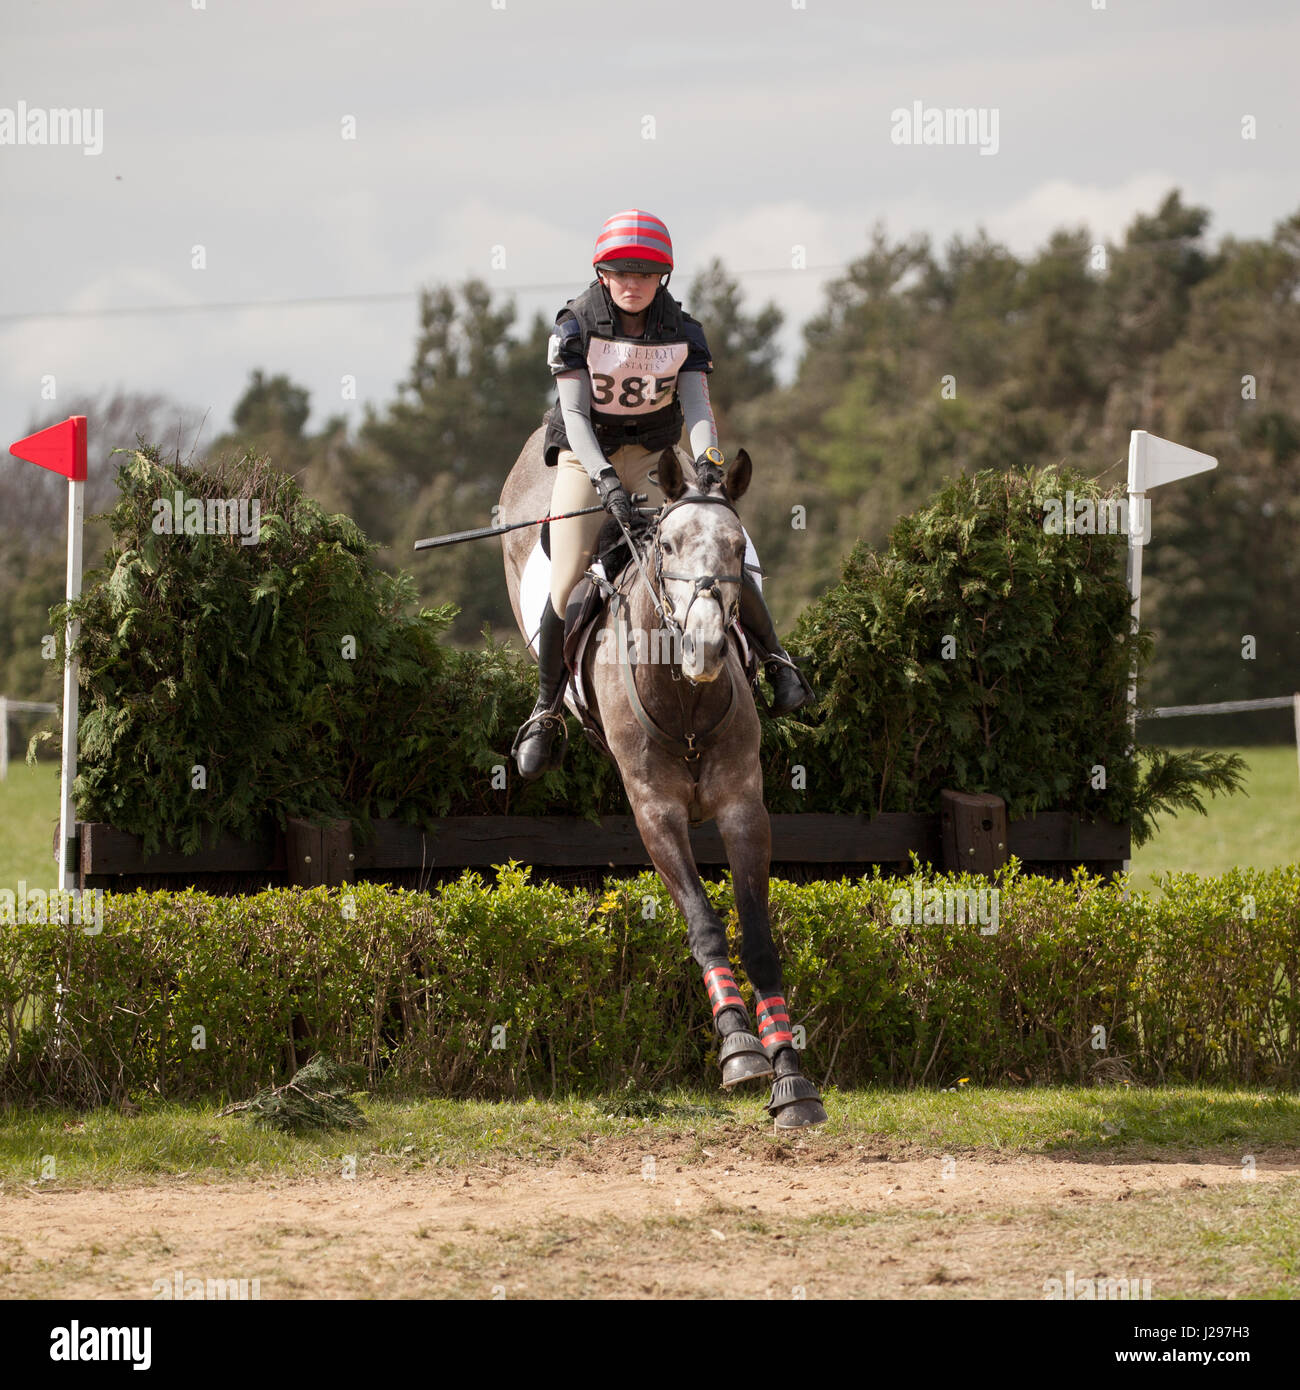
699	556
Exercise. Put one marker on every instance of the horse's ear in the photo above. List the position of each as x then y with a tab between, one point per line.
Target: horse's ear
739	475
672	481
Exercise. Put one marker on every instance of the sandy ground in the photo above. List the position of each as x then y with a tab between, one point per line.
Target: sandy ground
623	1219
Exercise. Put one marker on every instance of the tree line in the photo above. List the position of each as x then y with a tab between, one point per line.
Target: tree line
921	364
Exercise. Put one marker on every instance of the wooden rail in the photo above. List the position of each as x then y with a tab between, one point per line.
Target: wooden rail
309	854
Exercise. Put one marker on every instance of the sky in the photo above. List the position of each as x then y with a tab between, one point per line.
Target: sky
493	137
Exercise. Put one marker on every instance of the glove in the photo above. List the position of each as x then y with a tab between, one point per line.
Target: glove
614	496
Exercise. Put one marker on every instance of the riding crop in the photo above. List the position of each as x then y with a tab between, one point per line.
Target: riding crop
485	531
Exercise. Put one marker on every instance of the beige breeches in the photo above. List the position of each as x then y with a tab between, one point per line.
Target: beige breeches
572	541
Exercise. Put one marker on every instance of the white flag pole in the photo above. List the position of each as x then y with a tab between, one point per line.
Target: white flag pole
1152	462
67	813
62	449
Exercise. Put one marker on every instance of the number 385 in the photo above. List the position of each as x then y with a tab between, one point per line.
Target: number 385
633	390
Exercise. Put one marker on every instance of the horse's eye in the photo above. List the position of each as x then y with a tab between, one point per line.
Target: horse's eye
668	547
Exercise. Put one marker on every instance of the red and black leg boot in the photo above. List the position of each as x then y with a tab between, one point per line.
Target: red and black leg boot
796	1102
740	1053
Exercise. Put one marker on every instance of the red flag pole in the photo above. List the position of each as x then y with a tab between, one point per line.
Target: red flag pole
62	448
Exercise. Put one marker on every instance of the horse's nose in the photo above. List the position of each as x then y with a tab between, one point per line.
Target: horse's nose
710	649
702	657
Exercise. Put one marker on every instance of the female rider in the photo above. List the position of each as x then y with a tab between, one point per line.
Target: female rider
630	367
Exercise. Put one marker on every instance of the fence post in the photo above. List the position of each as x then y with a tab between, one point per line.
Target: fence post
318	854
1295	700
304	858
974	828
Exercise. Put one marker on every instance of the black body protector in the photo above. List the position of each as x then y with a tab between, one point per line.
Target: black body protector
633	380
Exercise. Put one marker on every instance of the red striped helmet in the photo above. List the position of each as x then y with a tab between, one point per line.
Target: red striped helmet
634	240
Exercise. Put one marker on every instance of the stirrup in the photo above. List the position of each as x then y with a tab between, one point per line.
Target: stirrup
543	717
544	722
771	659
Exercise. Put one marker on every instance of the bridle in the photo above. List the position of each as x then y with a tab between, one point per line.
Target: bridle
689	745
700	583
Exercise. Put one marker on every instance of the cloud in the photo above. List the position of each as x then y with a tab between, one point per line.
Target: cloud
1026	224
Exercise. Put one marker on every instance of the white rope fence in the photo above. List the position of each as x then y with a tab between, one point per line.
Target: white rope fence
1233	707
8	706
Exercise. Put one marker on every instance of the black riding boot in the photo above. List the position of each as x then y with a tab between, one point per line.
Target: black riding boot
789	689
538	732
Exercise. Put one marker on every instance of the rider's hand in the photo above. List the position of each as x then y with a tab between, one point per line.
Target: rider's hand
614	496
711	455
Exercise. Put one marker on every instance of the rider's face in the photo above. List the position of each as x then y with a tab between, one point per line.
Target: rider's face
631	290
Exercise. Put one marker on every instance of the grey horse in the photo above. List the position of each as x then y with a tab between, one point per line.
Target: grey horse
664	680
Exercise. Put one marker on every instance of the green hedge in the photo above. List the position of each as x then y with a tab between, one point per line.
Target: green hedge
984	651
593	991
295	672
199	651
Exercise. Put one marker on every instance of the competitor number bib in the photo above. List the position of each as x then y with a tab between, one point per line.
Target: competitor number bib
633	378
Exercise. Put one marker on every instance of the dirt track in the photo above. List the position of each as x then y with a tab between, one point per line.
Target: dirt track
843	1222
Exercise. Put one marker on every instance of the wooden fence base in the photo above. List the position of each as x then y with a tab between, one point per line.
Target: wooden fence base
825	845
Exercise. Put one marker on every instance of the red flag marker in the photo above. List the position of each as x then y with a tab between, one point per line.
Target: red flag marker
61	448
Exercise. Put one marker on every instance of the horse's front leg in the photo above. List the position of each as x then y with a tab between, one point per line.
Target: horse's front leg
747	835
665	830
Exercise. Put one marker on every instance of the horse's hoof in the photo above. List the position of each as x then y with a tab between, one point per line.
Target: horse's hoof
743	1059
796	1103
801	1114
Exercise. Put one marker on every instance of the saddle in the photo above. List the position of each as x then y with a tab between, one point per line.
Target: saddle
586	609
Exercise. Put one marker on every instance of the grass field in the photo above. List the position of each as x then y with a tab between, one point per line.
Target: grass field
29	811
978	1193
971	1194
1260	829
1102	1123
